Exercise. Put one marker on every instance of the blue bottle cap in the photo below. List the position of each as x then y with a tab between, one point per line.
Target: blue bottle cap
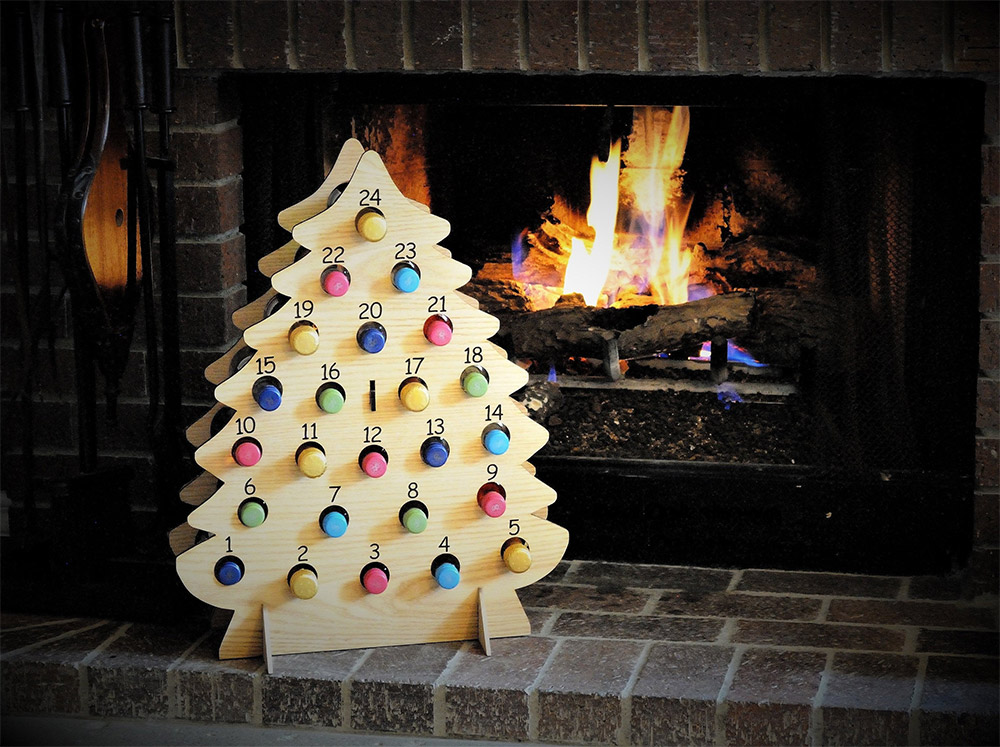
496	441
447	576
434	453
406	279
334	523
269	397
228	573
372	340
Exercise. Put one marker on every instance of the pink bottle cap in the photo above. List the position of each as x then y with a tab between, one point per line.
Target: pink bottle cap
336	283
374	464
375	581
437	331
492	503
247	454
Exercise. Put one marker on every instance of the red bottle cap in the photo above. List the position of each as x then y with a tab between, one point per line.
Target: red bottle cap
375	581
493	503
247	453
437	331
374	464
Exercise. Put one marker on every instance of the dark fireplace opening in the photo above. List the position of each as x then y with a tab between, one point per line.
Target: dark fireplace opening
847	208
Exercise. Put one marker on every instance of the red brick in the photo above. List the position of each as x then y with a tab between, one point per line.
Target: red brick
204	100
771	695
989	288
867	699
990	230
378	35
916	36
263	34
211	266
637	627
320	35
933	614
437	35
54	424
984	571
988	404
733	35
734	604
206	320
976	34
306	688
987	462
207	34
818	635
673	35
209	209
495	35
552	35
989	345
991	117
793	36
582	598
855	36
974	642
613	35
986	523
834	584
204	156
956	691
991	171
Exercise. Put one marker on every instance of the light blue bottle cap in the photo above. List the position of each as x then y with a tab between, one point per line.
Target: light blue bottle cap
496	441
334	523
447	576
228	573
268	397
406	279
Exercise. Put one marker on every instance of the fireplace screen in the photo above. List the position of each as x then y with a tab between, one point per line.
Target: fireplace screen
748	307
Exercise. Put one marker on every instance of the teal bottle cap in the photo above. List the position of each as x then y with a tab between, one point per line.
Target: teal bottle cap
330	400
415	520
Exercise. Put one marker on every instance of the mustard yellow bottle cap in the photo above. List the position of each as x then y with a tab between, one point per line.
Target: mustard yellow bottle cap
311	461
414	396
304	583
517	557
371	225
304	339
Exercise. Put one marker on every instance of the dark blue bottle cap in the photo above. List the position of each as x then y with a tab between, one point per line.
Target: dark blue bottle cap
372	340
228	573
434	452
269	397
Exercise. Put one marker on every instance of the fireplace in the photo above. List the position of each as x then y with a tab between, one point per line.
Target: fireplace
826	67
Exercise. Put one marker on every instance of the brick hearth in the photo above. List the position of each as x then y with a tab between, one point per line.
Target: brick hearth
619	654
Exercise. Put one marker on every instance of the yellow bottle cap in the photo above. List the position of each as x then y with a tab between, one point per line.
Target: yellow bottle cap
304	583
517	557
311	461
304	339
414	396
371	225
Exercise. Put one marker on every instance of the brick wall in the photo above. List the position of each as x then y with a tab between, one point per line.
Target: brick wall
216	39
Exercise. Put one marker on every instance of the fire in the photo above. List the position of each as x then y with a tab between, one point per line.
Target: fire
649	258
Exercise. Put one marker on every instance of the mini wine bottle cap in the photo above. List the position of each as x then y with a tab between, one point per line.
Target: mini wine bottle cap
311	461
517	557
406	279
434	452
228	573
375	581
374	464
336	281
447	576
304	339
252	514
247	453
334	523
304	583
415	520
492	503
268	397
371	339
414	396
330	400
475	384
437	331
371	225
496	441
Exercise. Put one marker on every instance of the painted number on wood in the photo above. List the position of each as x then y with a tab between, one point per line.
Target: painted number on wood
368	198
371	310
330	371
474	355
303	309
266	365
406	250
373	434
333	255
435	304
494	413
245	425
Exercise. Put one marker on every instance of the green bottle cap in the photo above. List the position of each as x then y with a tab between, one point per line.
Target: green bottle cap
415	520
330	400
252	514
475	384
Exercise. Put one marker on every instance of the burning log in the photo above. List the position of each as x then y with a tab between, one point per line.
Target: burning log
773	324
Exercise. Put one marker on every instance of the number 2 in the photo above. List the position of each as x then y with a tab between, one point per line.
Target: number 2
368	197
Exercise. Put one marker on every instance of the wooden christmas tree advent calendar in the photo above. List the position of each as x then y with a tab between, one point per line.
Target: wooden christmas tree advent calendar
366	480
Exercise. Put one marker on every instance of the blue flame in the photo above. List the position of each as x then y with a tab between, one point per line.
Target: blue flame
552	374
518	254
726	393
